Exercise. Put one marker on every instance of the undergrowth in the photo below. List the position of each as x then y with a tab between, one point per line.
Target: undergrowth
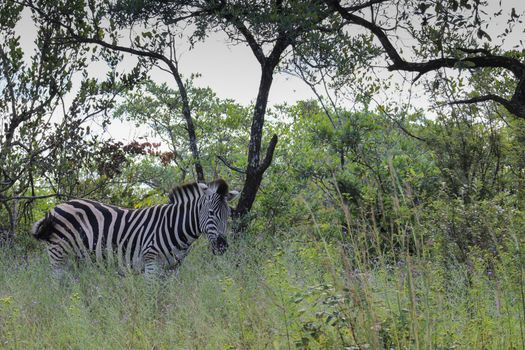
296	290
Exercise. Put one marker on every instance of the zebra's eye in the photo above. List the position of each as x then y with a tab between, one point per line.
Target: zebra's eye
211	212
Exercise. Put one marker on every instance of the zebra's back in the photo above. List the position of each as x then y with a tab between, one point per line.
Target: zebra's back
89	229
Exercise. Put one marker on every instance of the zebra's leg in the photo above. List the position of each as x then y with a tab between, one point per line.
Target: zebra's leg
175	270
58	259
151	267
152	271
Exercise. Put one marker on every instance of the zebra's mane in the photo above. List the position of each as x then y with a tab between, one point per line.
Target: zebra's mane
219	186
193	190
183	191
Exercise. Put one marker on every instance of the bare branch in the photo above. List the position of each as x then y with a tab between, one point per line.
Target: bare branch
363	6
5	199
484	98
232	167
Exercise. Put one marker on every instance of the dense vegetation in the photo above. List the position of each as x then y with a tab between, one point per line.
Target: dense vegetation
374	225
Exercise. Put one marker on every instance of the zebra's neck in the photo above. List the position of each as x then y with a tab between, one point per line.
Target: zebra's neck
185	224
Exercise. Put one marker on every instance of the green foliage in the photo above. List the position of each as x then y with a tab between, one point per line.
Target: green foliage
46	146
359	240
373	228
221	128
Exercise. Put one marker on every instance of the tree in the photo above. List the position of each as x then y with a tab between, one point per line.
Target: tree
84	23
30	92
269	28
45	142
446	34
220	124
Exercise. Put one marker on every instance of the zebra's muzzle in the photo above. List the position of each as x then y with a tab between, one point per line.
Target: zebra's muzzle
219	245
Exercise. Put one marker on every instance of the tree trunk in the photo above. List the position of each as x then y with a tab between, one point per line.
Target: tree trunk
186	112
255	169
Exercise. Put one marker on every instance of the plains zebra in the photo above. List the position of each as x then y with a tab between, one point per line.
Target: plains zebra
137	238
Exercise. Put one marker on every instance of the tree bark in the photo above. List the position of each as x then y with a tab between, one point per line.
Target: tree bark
255	169
186	113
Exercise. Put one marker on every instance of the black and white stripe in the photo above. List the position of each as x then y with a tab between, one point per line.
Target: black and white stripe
137	238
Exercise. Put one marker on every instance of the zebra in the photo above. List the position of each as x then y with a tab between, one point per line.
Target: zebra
137	239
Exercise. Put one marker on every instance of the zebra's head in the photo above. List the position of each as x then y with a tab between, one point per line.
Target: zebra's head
214	213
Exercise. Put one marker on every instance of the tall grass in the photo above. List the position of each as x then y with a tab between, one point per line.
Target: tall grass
292	291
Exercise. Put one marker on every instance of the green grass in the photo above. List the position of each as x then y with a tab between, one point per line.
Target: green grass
283	293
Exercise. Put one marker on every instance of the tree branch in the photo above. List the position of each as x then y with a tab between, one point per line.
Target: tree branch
269	155
9	82
356	8
250	39
515	106
176	20
5	199
484	98
474	51
493	61
282	42
227	164
172	65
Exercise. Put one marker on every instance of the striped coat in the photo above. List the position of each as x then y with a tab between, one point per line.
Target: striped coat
139	239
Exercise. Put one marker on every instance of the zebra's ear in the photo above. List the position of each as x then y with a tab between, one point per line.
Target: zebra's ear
202	186
232	195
